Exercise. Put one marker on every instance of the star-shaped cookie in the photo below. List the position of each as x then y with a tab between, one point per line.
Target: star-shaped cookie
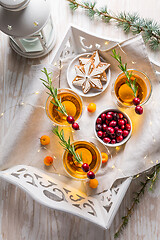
97	62
90	72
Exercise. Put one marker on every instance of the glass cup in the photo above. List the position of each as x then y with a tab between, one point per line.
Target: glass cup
72	102
123	94
90	154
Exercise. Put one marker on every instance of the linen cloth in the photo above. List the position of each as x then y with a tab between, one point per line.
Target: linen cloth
21	144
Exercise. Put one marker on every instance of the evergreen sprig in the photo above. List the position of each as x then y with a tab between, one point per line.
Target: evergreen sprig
53	93
123	67
151	178
128	22
67	145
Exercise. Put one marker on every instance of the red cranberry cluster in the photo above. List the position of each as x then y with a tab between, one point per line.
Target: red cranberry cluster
71	120
138	109
90	174
112	127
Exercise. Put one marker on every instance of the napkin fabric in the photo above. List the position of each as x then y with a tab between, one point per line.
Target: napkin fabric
21	143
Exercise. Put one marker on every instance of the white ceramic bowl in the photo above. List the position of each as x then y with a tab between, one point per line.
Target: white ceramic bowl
125	139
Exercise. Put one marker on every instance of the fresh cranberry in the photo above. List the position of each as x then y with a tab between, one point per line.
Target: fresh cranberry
100	134
128	127
106	140
98	127
99	121
120	122
109	117
119	138
104	135
136	101
122	127
85	167
120	115
110	130
75	126
113	135
115	116
125	120
110	113
116	128
107	122
113	123
113	141
104	127
91	175
119	132
103	116
70	119
125	133
139	110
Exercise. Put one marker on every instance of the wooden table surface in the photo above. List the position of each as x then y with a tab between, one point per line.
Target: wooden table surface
21	218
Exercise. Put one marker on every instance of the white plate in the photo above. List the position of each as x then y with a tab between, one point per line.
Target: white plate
71	74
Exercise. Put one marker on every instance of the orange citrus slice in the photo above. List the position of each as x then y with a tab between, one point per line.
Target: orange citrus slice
86	156
126	93
70	108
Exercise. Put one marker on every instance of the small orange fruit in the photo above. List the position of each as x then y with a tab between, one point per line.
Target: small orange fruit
45	140
93	183
91	107
104	157
48	161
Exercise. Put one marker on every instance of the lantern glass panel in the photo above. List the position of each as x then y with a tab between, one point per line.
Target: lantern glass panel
31	44
47	31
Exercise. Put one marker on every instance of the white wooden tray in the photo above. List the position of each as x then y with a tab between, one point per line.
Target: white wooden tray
100	208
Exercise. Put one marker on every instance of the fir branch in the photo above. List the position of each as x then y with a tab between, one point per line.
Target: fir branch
129	22
67	145
53	93
148	179
123	67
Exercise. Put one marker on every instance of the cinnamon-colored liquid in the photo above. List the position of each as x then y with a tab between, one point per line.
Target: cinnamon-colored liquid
124	92
90	155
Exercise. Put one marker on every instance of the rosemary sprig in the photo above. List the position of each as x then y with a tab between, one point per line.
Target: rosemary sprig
129	22
123	67
67	145
148	179
53	92
154	178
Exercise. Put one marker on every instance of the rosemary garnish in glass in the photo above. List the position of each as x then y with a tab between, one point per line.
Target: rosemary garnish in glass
53	93
67	145
123	67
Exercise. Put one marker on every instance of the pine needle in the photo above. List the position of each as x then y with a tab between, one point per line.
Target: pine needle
129	22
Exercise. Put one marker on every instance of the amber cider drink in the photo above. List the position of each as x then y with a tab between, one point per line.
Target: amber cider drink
124	93
72	103
90	154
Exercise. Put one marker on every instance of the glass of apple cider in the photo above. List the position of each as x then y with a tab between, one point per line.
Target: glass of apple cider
90	155
124	95
72	102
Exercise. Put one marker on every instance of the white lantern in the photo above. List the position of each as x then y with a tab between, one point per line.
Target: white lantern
29	25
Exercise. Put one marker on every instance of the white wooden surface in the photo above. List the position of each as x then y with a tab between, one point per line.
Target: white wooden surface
20	216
